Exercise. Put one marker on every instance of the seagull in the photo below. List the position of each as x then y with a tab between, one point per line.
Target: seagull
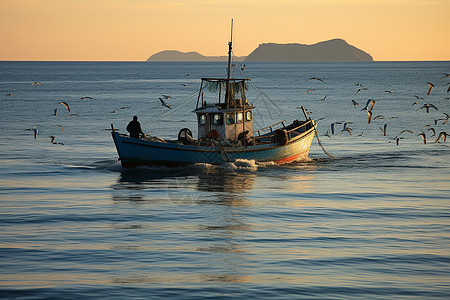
327	134
369	116
332	126
445	75
311	90
442	135
183	84
55	112
384	129
166	96
314	78
406	130
427	107
361	134
355	104
433	131
243	67
431	86
415	103
358	84
324	98
390	92
52	138
125	107
85	98
424	138
164	103
7	95
361	89
66	105
417	97
379	117
348	129
35	132
397	140
72	115
371	102
60	126
36	83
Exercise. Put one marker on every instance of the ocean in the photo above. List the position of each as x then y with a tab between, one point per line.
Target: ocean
371	223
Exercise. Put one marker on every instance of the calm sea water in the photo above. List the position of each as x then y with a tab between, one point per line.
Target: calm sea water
373	223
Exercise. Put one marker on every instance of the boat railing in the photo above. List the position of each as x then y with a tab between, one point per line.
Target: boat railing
291	130
270	127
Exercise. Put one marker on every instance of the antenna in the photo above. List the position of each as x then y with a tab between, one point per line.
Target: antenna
230	43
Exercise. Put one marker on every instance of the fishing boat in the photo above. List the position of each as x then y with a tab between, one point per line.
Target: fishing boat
225	132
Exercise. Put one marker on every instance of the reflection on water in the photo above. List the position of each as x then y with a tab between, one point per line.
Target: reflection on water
209	202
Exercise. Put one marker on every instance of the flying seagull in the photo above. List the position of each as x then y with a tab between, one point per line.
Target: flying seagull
384	129
369	116
332	126
432	130
427	107
370	102
55	112
85	98
66	105
431	86
442	135
424	138
314	78
72	115
310	90
445	75
36	83
164	103
35	132
359	90
355	104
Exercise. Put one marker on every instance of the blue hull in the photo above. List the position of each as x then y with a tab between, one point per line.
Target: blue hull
135	152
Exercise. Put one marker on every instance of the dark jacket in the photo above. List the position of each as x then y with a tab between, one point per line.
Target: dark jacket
134	128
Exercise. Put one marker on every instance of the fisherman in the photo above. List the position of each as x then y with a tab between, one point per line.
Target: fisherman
134	128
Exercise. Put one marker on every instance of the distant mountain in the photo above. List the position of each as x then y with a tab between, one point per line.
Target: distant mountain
172	55
332	50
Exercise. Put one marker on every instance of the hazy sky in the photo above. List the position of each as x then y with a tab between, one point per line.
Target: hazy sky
132	30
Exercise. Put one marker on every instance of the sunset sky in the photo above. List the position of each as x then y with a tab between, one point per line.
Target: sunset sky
132	30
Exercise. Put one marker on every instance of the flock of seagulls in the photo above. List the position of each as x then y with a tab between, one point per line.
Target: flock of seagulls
384	129
56	112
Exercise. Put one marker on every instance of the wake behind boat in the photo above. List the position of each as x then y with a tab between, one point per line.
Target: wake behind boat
225	132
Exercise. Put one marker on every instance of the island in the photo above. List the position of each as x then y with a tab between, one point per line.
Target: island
332	50
173	55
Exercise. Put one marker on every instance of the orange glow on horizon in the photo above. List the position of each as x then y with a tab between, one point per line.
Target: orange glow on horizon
118	30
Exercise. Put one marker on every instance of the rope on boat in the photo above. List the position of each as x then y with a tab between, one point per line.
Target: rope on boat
180	105
317	135
320	144
222	150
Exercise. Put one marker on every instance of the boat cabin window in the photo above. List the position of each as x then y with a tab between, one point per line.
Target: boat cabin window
230	118
248	116
202	119
240	117
218	119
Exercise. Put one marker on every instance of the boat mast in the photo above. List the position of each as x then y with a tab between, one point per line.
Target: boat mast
229	51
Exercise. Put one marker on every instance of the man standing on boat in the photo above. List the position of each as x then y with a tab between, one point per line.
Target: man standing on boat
134	128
